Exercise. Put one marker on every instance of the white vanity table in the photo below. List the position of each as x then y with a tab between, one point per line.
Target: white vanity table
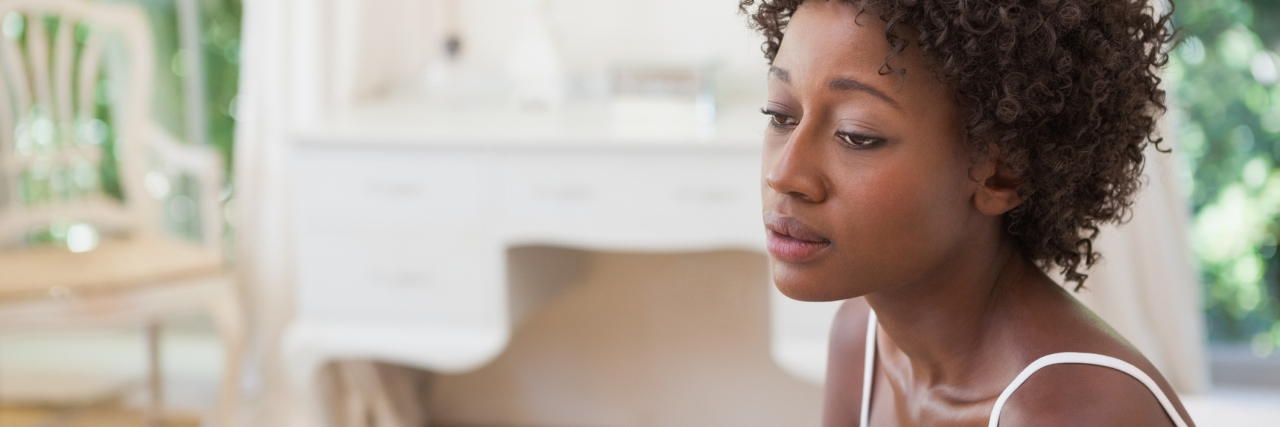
402	233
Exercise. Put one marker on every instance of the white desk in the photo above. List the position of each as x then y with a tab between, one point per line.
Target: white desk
402	233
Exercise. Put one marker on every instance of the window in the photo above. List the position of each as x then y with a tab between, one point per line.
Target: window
1226	105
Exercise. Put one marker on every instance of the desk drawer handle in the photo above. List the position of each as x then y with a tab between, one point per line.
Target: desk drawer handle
396	190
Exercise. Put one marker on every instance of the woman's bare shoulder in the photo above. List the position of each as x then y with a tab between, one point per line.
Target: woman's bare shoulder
1079	394
1084	394
846	353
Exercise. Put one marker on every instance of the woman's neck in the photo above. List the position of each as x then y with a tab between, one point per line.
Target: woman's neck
942	322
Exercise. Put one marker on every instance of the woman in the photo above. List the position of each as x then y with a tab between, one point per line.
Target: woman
929	160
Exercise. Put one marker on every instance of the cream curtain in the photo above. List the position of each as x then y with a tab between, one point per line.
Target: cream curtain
1147	285
285	86
261	192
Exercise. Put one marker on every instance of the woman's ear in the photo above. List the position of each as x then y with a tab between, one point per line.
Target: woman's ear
997	190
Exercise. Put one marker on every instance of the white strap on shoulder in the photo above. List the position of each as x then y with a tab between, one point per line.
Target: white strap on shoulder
1085	359
868	371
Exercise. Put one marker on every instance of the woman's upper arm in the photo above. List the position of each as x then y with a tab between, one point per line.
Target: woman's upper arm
846	352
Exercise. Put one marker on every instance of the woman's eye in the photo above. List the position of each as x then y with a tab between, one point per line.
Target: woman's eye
857	140
777	119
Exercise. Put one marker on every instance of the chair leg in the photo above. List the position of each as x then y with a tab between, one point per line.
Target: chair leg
155	382
227	314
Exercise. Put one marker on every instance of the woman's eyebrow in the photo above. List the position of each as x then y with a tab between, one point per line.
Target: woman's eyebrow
780	74
848	84
843	84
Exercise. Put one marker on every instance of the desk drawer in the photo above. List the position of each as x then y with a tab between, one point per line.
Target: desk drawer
456	280
394	189
626	198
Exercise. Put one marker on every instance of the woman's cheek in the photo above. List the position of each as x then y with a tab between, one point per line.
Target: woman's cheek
898	212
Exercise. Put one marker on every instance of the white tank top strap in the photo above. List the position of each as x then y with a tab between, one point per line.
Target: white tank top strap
1086	359
869	367
868	371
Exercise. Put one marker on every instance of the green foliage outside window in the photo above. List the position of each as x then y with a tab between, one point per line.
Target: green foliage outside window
220	28
1223	84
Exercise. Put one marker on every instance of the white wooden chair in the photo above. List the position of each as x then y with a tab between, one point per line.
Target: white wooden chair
60	65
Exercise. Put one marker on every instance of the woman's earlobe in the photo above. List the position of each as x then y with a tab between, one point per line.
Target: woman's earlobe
997	191
997	195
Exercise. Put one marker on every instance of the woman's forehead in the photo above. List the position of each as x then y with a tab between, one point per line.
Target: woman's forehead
829	44
830	37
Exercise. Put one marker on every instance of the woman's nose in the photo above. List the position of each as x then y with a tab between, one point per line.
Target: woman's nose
795	169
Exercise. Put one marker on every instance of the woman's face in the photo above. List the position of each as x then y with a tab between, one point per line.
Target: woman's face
866	178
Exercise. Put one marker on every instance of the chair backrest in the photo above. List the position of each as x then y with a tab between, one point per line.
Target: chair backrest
69	105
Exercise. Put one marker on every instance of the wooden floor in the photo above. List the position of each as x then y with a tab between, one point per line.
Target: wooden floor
106	415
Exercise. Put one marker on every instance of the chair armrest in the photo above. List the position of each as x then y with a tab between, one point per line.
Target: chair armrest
205	164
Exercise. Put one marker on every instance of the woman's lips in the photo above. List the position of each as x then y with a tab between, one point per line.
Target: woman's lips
790	241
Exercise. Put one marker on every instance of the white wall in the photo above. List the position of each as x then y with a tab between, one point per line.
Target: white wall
393	41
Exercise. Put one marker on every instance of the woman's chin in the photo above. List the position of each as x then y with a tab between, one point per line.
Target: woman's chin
803	286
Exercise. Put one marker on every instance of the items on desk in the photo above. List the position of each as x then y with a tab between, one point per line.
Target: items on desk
533	64
679	98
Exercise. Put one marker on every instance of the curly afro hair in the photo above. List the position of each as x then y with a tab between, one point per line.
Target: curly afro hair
1065	92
